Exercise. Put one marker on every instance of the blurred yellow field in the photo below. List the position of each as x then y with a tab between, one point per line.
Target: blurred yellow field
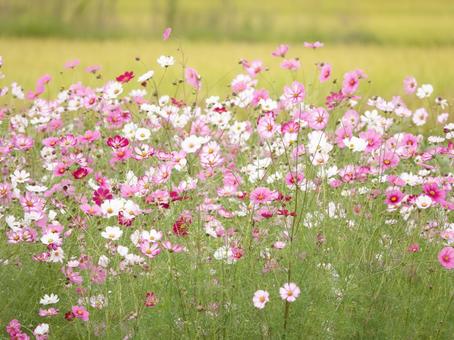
27	59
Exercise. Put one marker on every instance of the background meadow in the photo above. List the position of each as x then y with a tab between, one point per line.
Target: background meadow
356	282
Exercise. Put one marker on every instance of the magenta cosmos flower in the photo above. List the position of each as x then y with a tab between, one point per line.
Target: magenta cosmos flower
434	192
394	197
80	312
446	257
289	292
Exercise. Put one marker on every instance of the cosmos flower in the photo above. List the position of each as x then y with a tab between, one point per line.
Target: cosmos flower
289	292
260	299
446	257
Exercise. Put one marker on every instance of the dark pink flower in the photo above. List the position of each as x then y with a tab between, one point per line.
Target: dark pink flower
446	257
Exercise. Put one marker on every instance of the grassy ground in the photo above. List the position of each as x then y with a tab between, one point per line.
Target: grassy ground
27	59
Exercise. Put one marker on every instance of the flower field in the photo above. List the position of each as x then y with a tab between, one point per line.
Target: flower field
150	206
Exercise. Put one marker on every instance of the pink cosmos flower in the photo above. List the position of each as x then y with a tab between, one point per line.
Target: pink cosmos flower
266	126
280	51
325	72
388	160
261	297
98	274
313	45
173	248
192	78
45	79
253	68
5	193
151	299
434	192
292	179
394	197
413	248
117	142
318	118
150	250
22	142
258	95
291	64
80	313
92	69
350	83
289	292
342	133
262	195
71	64
294	93
446	257
410	85
166	33
373	139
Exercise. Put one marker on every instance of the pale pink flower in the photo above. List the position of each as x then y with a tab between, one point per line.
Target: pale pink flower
70	64
261	297
289	292
280	51
192	78
291	64
410	85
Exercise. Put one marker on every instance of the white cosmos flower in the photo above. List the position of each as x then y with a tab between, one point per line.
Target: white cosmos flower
151	236
103	261
142	134
20	176
192	143
129	130
146	76
165	61
113	89
318	143
112	233
122	250
111	207
420	117
355	144
50	238
49	299
423	202
320	158
41	330
424	91
57	255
